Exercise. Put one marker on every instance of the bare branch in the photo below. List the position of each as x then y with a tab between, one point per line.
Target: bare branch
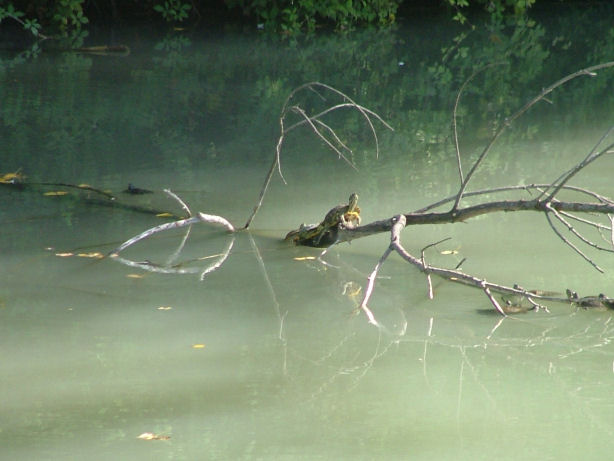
341	106
454	117
573	230
527	188
568	243
493	301
312	120
398	223
200	217
218	263
423	259
591	157
300	111
370	285
590	71
181	202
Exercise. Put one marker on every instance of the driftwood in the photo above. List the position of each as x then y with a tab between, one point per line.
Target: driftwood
544	198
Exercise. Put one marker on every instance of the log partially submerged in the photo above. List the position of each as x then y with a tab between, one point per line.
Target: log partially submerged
544	199
104	50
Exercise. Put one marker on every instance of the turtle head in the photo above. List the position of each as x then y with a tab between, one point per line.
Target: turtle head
353	200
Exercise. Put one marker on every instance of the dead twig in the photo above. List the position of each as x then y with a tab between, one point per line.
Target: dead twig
590	71
455	118
327	134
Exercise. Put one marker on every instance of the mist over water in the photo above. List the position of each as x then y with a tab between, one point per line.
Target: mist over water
266	358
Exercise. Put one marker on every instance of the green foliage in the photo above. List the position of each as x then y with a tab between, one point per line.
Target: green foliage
68	16
10	12
291	16
173	10
31	25
64	17
212	90
496	8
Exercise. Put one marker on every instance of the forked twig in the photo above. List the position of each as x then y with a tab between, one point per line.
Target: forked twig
423	259
590	71
312	121
454	117
181	202
568	243
453	275
591	157
309	121
200	217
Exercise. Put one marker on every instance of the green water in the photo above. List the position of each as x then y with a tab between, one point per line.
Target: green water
264	359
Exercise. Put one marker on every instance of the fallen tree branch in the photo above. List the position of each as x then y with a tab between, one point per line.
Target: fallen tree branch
448	217
312	121
454	275
544	199
199	218
590	71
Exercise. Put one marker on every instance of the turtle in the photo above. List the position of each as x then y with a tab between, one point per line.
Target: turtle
346	214
590	301
136	190
510	307
314	234
607	302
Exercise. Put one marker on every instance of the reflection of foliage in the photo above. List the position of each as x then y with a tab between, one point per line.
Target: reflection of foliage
20	58
31	25
64	16
213	90
173	10
496	8
68	15
291	16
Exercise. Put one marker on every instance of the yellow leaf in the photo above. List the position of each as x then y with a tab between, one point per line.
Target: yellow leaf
165	308
198	346
304	258
135	276
10	178
84	186
152	436
64	255
91	255
449	252
55	193
164	215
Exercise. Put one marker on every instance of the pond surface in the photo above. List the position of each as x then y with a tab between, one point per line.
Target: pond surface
265	358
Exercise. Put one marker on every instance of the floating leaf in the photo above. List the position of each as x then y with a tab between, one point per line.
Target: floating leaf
135	276
55	193
84	186
165	308
351	289
64	255
164	215
152	436
198	346
91	255
449	252
304	258
12	178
